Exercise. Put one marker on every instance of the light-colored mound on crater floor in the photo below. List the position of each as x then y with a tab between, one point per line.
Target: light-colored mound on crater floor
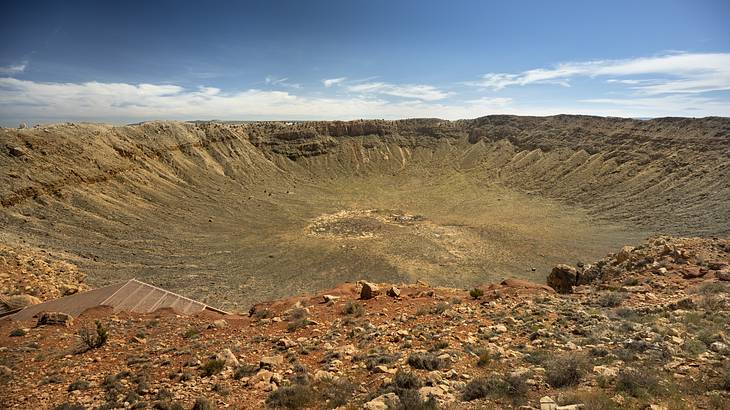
239	213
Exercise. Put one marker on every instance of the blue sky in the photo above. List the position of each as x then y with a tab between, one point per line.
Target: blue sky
142	60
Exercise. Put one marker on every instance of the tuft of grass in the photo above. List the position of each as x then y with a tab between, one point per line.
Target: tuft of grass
18	333
484	357
514	387
426	361
476	293
245	370
637	383
191	333
213	366
725	381
538	357
79	385
296	396
406	380
565	370
298	319
440	345
260	314
353	309
611	299
204	403
93	339
440	308
411	400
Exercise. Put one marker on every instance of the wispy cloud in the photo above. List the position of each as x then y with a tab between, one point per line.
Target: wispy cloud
417	91
13	69
329	82
675	73
271	80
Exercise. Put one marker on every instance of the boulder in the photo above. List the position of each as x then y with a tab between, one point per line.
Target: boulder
624	254
55	318
383	402
329	298
269	362
19	301
393	292
547	403
369	290
562	278
228	357
723	275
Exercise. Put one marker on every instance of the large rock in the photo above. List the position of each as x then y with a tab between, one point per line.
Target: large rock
393	292
228	357
55	318
369	290
19	301
624	254
270	362
563	278
383	402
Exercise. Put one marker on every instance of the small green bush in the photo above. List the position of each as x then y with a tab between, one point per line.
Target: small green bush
212	367
353	309
565	370
296	396
426	361
245	370
93	339
637	383
476	293
611	299
204	403
406	380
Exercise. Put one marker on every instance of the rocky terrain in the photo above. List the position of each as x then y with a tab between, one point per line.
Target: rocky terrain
412	264
645	327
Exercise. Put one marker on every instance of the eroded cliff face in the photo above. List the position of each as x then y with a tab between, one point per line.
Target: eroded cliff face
222	210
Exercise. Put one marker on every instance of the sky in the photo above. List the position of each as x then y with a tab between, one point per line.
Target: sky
130	61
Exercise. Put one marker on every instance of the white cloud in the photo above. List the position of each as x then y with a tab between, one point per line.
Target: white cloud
329	82
680	73
13	69
417	91
21	99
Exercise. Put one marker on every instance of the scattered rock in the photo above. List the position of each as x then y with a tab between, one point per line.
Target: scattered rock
218	324
17	151
330	298
55	318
